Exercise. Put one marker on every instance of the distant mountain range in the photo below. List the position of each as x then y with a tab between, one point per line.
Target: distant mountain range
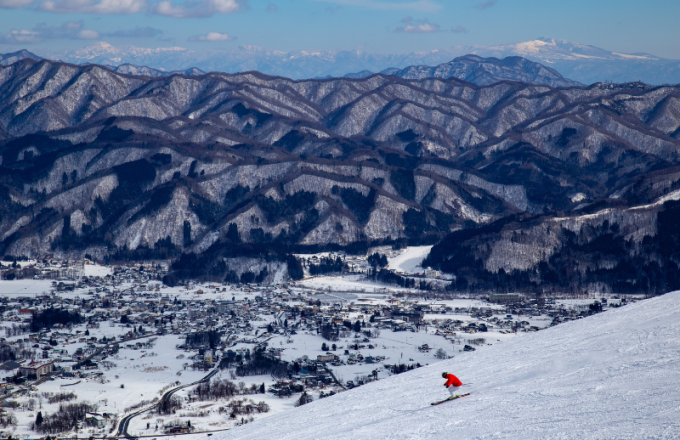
582	63
578	62
569	189
485	71
470	68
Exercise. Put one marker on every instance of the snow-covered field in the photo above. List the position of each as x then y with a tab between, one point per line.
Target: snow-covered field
613	375
24	287
351	283
95	270
409	261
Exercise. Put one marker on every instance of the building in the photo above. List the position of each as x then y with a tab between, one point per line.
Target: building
99	422
10	366
504	298
37	369
431	273
415	317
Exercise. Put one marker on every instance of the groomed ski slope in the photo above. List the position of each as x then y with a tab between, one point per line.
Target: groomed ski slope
615	375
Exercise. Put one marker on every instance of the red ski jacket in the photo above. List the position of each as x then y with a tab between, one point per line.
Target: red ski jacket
452	380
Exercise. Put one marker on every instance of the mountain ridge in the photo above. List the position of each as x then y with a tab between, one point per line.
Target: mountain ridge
471	68
486	71
120	166
582	63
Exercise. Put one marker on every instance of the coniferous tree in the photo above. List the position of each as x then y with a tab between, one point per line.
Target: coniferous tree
304	399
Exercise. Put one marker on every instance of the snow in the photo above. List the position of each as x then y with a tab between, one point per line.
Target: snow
95	270
611	375
24	287
347	283
410	260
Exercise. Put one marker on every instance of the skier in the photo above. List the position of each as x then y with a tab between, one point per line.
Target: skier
452	383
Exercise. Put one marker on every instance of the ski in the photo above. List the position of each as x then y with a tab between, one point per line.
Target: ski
450	398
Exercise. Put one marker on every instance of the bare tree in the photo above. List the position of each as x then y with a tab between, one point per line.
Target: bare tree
441	354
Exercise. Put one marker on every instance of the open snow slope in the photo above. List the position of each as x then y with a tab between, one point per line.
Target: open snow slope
409	261
615	375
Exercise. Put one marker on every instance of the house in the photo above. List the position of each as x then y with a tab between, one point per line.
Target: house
325	358
99	422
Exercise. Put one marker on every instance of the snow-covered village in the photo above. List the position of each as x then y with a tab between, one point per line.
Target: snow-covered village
339	220
111	351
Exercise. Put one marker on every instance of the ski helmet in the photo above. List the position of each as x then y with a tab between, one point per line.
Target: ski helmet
444	374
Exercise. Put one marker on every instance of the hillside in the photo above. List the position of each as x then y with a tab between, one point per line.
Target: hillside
118	166
612	375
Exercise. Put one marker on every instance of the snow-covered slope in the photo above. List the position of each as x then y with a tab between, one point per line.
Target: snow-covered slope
409	261
610	376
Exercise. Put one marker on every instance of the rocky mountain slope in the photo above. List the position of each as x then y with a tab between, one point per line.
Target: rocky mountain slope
123	166
579	62
611	375
486	71
8	58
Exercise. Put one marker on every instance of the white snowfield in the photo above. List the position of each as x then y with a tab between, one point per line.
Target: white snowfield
409	261
615	375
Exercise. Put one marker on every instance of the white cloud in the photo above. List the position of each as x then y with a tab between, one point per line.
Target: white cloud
198	8
459	30
72	30
212	36
14	4
418	5
88	34
138	32
414	26
425	28
22	36
94	6
169	8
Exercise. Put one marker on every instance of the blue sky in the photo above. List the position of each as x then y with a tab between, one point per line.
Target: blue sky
380	26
